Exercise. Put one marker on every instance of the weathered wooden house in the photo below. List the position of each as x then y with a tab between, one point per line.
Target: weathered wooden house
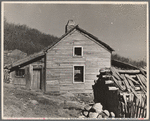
72	64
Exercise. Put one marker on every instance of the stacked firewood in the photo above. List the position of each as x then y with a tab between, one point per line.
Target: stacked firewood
128	86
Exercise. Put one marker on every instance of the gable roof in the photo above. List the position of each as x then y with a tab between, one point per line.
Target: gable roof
85	32
42	53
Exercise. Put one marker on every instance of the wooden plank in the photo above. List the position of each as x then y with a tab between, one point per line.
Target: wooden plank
66	59
65	81
52	82
122	87
137	88
109	82
105	76
128	71
51	88
133	76
66	84
129	88
142	86
89	81
88	91
72	87
76	91
143	80
115	74
90	77
59	70
112	88
130	82
131	79
137	113
144	108
88	86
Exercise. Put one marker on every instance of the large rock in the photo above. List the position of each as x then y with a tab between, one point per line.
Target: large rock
85	113
34	102
99	116
88	107
105	114
112	115
82	116
93	114
98	107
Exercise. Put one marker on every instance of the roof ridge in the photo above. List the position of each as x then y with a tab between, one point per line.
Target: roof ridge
96	38
82	30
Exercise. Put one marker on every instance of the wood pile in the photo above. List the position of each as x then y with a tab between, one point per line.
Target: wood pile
123	92
96	111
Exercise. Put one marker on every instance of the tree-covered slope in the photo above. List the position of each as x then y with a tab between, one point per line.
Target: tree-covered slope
25	39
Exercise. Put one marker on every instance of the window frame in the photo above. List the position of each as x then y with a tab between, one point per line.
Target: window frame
19	76
74	51
83	72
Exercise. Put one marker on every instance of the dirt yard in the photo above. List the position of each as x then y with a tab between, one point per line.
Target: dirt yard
23	103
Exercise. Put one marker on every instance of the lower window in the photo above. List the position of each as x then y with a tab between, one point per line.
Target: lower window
78	73
20	73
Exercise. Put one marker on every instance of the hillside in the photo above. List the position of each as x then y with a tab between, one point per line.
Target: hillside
140	63
25	39
30	40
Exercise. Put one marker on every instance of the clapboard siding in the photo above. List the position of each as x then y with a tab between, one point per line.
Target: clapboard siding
60	62
71	87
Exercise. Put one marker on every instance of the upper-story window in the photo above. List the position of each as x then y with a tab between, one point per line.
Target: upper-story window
78	51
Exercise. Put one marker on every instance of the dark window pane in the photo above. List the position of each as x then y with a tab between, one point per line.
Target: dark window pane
78	51
20	72
78	73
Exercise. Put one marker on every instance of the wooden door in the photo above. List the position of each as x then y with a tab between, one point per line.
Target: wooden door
36	84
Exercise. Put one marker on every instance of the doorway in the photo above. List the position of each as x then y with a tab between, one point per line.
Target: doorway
36	83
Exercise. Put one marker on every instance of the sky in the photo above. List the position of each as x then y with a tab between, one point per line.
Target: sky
122	26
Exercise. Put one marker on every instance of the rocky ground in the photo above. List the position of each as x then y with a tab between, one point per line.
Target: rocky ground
23	103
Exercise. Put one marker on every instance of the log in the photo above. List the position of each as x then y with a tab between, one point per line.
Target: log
128	71
104	70
143	87
113	88
130	82
129	87
143	79
131	79
137	88
122	87
109	82
133	76
106	76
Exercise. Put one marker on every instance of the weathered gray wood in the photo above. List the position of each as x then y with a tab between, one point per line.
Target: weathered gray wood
52	88
90	77
60	62
52	82
129	71
113	88
132	79
137	88
109	82
35	84
89	81
72	87
88	86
